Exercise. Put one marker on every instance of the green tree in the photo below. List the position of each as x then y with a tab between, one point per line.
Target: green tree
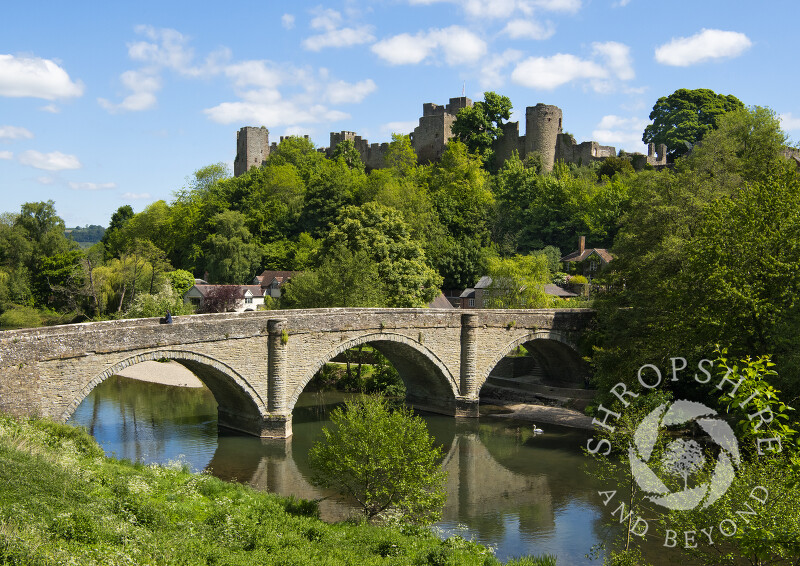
380	232
383	459
331	186
478	126
400	157
347	152
345	278
518	282
232	256
110	238
683	118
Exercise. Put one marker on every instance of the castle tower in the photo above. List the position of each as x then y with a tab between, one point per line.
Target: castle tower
542	126
252	149
436	128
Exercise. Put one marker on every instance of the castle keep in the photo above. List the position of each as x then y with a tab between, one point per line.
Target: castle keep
543	134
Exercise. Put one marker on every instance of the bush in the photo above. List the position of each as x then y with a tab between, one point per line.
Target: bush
20	317
384	459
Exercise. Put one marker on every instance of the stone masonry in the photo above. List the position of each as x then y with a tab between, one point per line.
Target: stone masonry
543	134
256	364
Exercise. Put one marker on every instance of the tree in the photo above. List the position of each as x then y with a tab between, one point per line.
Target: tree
232	256
222	298
381	233
384	459
400	157
347	152
110	238
518	282
345	278
479	125
683	118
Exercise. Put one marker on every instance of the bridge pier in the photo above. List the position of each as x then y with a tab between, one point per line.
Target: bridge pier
268	426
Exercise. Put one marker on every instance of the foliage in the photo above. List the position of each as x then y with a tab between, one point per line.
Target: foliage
62	502
384	459
151	305
683	118
518	282
400	157
232	255
111	239
347	152
479	125
614	165
344	279
20	317
381	233
180	280
91	233
222	298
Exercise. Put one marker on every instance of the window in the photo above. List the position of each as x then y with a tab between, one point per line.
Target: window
472	302
248	300
195	301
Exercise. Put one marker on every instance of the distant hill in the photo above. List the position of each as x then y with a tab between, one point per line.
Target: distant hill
86	236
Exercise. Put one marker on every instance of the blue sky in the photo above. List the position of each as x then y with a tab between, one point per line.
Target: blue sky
110	103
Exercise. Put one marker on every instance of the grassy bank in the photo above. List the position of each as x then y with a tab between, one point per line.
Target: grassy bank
63	502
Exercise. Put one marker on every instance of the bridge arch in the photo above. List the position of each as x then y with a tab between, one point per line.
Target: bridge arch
429	384
239	405
553	351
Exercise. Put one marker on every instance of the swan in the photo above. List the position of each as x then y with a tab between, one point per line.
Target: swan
537	430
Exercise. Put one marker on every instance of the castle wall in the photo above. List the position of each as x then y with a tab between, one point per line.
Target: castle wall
436	128
252	149
542	126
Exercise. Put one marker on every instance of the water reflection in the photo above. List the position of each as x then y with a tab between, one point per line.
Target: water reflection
517	492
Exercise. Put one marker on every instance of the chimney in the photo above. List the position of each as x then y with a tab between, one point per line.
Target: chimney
581	244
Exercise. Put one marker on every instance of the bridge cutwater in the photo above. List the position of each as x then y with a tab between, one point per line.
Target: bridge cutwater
256	364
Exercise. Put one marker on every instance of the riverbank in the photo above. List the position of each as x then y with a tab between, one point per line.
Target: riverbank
165	373
538	414
63	502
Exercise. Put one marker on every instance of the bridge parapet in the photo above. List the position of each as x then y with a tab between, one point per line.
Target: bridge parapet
257	363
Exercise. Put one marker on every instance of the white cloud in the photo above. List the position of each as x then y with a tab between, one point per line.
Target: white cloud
14	133
344	37
789	122
528	29
281	113
45	180
52	108
617	57
506	8
35	77
621	3
143	86
287	21
339	92
620	132
404	49
457	44
55	161
703	46
92	186
399	127
6	155
165	48
135	196
547	73
492	71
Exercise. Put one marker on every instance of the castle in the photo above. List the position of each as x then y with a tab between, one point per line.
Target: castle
543	134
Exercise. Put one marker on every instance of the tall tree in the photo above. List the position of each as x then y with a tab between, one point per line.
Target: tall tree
381	233
479	125
683	118
231	254
111	240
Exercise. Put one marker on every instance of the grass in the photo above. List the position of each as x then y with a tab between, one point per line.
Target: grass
63	502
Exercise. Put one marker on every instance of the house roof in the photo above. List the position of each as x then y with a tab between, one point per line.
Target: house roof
467	293
440	302
602	253
556	291
268	277
255	290
484	282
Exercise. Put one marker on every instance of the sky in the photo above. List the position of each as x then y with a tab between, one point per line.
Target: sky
104	104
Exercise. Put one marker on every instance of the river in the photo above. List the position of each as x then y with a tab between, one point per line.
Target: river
509	489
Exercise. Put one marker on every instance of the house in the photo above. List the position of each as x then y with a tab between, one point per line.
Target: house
586	262
227	298
478	297
441	302
272	281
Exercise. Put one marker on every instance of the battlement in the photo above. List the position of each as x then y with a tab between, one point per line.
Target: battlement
543	135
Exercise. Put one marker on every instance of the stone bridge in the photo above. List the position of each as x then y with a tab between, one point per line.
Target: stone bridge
256	364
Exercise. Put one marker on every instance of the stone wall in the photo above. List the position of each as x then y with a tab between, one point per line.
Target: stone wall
257	364
252	149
